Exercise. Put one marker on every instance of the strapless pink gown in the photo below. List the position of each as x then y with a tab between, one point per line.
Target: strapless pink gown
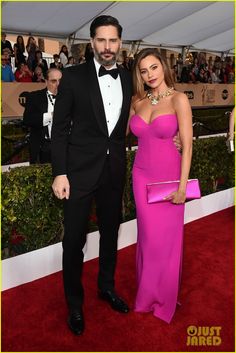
160	225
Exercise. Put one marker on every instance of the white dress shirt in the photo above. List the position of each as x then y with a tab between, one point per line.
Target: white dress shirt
112	97
47	117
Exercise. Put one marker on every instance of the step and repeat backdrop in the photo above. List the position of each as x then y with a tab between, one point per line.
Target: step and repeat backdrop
14	95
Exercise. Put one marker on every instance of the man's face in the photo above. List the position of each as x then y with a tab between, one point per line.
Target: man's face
106	45
53	81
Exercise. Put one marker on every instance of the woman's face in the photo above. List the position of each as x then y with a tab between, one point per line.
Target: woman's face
151	71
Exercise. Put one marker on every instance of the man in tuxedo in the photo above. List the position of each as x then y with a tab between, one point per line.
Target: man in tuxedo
38	115
89	162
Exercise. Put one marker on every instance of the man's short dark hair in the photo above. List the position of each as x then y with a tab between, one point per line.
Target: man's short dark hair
105	20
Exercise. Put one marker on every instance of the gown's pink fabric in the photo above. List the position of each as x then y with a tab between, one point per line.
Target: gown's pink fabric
160	225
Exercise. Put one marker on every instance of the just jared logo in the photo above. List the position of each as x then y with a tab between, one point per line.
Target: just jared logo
203	336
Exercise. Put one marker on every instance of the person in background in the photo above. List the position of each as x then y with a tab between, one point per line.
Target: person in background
56	64
184	77
230	139
127	63
201	77
38	75
6	72
23	73
88	55
231	124
39	61
6	44
6	53
19	49
231	77
156	116
192	76
175	73
38	116
71	61
64	55
31	48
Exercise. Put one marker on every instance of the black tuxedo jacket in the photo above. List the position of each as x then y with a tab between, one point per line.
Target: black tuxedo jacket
36	106
80	137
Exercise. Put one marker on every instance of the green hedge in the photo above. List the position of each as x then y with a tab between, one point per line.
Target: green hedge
32	217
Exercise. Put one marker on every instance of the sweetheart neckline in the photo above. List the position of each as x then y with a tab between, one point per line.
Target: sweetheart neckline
153	119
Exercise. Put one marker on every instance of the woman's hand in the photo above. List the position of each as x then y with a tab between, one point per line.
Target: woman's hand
177	197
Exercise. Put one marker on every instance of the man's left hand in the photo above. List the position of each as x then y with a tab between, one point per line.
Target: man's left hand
177	142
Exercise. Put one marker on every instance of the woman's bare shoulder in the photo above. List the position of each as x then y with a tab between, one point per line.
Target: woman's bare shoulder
179	97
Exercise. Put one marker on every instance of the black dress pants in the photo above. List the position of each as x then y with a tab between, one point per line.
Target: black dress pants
45	152
108	201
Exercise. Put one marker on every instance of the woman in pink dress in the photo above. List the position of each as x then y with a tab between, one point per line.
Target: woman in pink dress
157	115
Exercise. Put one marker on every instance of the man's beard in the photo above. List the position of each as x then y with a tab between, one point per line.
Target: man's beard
104	62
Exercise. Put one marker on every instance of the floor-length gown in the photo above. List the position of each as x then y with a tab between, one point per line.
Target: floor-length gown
160	225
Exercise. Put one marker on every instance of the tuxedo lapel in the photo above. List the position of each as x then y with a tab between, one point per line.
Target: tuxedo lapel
96	97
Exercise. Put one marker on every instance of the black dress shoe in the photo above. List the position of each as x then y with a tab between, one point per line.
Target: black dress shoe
115	302
76	322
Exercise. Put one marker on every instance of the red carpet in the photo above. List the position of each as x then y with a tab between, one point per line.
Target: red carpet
34	314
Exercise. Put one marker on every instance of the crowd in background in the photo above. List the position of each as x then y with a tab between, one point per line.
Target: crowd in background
30	66
205	71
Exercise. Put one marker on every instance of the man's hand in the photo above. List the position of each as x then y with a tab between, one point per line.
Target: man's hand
177	142
61	187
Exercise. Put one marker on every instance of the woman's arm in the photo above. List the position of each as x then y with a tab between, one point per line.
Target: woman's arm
184	115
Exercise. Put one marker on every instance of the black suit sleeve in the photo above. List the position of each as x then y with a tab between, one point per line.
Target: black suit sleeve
61	124
33	114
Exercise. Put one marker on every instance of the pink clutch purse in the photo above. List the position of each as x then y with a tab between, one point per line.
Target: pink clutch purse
156	192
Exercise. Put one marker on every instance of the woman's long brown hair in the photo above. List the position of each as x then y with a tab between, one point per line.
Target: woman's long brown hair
138	85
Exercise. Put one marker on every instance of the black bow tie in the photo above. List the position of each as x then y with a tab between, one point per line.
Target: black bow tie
53	96
112	72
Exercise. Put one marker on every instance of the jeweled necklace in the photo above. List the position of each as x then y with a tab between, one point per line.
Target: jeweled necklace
155	99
